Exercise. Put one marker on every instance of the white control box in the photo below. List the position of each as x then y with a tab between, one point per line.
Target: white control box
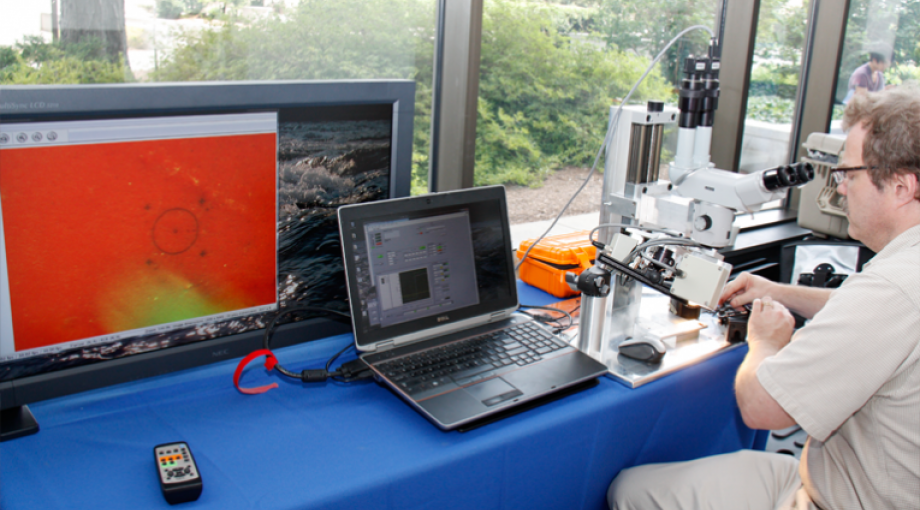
702	280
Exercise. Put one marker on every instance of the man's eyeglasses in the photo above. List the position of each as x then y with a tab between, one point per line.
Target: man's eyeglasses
840	174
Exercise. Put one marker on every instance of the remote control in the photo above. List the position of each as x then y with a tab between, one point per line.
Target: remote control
179	476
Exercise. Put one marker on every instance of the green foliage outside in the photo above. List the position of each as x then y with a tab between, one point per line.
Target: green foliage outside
773	109
35	62
872	26
891	27
170	9
644	27
549	71
175	9
545	94
319	40
780	110
544	91
903	73
781	32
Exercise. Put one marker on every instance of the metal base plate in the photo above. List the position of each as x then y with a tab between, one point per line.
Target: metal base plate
689	341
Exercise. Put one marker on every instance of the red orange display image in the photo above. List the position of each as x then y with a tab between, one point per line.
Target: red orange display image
105	238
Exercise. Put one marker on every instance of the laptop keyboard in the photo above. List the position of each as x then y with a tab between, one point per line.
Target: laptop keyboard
472	359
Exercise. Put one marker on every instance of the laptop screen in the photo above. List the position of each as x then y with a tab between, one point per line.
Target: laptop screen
424	264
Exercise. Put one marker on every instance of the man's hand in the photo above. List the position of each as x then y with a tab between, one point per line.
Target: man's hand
805	301
770	324
744	289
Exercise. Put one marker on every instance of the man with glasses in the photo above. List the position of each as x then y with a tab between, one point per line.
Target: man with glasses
851	376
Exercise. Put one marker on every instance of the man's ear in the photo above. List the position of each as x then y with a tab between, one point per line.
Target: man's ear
906	187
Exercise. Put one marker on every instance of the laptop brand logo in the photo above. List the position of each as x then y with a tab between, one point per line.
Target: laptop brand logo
443	319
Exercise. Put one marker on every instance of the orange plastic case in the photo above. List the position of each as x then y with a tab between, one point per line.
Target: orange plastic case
548	262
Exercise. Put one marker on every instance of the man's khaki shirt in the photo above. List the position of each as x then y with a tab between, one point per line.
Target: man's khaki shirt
851	379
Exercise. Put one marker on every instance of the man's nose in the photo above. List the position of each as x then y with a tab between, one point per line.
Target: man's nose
842	187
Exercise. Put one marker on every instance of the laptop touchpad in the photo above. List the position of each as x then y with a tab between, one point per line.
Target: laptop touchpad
493	391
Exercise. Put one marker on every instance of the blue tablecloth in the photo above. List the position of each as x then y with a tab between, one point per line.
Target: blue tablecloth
344	446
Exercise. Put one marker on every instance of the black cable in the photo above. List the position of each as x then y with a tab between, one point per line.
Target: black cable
333	358
355	370
552	309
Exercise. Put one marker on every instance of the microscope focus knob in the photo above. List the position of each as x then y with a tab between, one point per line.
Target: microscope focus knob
702	222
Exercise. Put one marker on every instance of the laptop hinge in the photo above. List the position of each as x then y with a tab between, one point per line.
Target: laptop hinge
384	346
497	316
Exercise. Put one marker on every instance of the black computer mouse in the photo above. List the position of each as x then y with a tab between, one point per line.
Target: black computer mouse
647	349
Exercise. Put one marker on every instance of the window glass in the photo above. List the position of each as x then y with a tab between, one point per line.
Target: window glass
879	49
109	41
550	71
775	70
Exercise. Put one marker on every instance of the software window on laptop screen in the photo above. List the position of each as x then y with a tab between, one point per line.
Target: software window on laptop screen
113	229
418	268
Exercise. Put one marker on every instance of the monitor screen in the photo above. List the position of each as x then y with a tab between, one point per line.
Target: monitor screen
145	229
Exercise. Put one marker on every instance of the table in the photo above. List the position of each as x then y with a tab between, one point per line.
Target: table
343	446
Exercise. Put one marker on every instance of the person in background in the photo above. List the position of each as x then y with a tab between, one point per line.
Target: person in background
868	77
850	377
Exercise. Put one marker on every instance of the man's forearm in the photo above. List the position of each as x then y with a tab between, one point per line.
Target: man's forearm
805	301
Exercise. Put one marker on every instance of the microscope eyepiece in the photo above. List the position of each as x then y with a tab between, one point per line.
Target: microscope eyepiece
805	170
788	176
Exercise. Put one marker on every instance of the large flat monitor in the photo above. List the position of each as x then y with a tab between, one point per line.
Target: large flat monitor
151	228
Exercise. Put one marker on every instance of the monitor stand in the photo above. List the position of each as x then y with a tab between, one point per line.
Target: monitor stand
17	422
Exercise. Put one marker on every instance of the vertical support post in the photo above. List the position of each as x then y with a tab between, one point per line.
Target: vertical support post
734	78
456	94
827	22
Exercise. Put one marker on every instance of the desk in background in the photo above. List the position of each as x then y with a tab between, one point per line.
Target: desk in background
338	446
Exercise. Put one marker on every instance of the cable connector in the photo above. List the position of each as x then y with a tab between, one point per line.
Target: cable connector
355	369
317	375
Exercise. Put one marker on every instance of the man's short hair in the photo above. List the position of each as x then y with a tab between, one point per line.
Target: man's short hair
892	122
878	57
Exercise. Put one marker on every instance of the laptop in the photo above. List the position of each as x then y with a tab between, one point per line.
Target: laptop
433	295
